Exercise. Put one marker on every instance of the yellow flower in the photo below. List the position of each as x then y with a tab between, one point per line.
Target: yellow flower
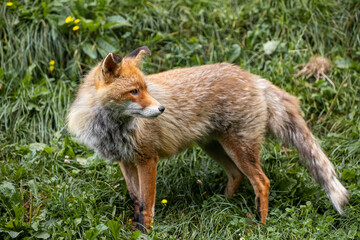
52	62
164	201
9	4
77	21
76	28
51	68
151	226
69	19
130	220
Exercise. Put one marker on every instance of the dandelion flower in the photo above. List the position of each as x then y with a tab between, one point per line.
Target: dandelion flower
164	201
151	226
51	68
69	19
52	62
9	4
77	21
76	28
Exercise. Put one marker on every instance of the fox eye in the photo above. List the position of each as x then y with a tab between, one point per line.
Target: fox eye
134	92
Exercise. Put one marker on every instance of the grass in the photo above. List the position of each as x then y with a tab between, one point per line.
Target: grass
41	197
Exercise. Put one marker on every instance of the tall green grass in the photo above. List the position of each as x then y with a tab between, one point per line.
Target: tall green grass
42	197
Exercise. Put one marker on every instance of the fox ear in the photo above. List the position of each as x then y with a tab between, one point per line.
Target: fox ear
111	63
139	53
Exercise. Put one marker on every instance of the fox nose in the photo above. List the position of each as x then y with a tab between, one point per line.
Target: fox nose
161	109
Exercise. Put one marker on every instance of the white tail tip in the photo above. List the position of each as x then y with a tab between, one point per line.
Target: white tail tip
338	194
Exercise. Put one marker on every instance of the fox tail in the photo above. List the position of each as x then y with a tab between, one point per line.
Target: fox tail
286	122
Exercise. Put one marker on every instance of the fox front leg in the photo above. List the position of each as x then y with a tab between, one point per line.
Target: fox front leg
130	174
147	182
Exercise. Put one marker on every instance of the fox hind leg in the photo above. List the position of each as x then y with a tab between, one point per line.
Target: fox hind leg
246	156
217	153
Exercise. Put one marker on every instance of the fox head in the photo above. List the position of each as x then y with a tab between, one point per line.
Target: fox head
120	83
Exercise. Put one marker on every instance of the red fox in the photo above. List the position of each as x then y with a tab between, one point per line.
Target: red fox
135	119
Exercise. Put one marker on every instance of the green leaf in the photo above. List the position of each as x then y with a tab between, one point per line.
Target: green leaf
48	150
91	161
286	184
91	25
37	147
7	189
101	227
348	174
81	160
343	63
12	224
158	37
234	52
41	91
35	225
14	234
352	232
91	234
42	235
106	44
26	79
115	22
270	47
135	235
193	39
115	227
90	50
77	221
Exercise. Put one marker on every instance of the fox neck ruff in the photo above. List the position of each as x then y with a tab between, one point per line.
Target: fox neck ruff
111	134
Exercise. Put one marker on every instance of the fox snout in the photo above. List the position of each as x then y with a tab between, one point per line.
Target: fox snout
146	106
152	111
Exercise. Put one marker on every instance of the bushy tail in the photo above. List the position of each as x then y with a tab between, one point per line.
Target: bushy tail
286	122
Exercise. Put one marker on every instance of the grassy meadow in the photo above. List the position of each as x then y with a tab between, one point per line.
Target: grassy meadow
44	54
